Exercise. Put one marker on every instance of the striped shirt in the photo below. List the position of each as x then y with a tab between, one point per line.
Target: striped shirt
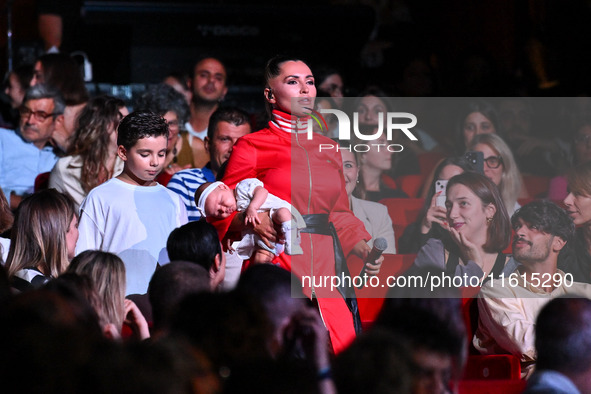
185	184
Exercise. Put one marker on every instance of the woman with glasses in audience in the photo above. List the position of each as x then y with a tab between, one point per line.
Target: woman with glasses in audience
500	167
92	159
479	230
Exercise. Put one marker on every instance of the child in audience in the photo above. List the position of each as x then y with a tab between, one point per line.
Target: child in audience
217	200
132	215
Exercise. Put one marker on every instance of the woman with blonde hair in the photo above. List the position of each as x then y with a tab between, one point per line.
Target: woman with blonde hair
43	239
500	167
107	272
92	159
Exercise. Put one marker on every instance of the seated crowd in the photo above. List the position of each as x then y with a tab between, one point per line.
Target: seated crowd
116	278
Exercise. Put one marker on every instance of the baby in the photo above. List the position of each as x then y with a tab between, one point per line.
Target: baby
250	197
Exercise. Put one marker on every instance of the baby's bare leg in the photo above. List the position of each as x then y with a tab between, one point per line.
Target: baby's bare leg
282	215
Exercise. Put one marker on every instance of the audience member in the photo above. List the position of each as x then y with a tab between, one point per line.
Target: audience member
431	325
107	273
372	107
132	215
43	239
377	362
198	243
226	125
575	258
479	230
27	152
209	89
374	216
581	147
92	159
477	117
61	72
6	221
500	167
170	284
297	329
508	307
15	86
230	328
330	82
563	345
165	101
432	220
180	83
536	154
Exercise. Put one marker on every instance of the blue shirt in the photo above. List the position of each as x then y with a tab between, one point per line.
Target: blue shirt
186	182
21	162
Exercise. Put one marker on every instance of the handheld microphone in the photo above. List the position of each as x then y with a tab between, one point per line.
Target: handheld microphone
379	245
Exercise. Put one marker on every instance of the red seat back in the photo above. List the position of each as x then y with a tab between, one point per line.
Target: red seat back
402	211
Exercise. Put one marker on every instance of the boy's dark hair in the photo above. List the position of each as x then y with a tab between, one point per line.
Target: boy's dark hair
548	217
140	124
196	242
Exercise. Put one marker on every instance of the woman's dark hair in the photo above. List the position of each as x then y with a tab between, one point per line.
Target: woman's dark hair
499	230
196	242
483	107
162	98
273	69
23	73
63	73
91	139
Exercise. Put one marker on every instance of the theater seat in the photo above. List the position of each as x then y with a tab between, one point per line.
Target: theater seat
536	186
402	211
505	386
428	161
498	366
42	181
410	184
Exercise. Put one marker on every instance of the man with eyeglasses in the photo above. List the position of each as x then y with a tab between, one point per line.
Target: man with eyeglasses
27	152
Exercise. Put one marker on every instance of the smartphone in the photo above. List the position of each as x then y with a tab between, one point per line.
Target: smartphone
440	186
475	161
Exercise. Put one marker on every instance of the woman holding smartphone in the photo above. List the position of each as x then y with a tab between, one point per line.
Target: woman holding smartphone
479	230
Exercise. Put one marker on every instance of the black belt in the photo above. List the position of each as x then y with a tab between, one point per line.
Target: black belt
319	224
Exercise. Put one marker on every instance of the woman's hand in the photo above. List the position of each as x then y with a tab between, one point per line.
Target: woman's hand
265	229
362	250
468	249
435	214
136	321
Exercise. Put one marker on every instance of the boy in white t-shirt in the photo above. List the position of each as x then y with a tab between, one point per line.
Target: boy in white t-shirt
132	215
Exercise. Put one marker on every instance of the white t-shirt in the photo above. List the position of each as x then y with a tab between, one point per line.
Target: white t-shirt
132	222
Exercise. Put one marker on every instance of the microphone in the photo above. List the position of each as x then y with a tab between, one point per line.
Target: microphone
379	245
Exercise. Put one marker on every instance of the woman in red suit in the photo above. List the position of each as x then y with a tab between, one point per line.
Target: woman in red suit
294	168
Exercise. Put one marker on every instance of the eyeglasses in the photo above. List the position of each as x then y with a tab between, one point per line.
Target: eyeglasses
583	138
493	161
39	116
173	124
